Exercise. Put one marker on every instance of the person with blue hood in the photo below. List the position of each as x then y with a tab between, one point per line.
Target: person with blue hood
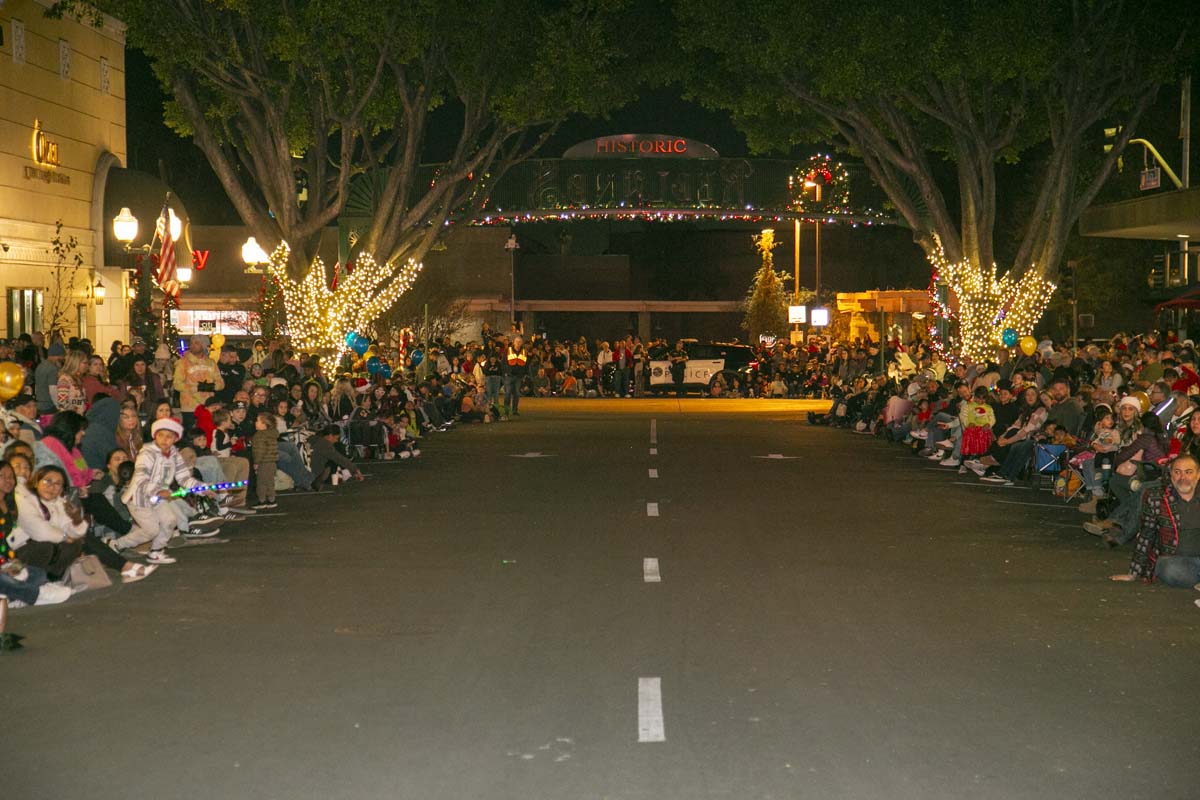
100	438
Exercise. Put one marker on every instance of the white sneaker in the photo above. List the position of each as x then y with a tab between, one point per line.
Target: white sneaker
50	594
948	462
244	511
920	434
946	443
938	456
159	557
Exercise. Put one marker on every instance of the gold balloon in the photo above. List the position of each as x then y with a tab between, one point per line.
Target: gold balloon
1143	399
12	378
372	351
1028	345
218	339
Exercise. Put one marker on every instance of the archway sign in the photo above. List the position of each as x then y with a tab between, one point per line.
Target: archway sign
636	176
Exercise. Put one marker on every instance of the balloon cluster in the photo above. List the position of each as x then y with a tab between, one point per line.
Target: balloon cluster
1011	338
12	380
362	347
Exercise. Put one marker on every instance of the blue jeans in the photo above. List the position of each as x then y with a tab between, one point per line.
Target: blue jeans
292	463
27	590
1182	572
491	387
512	392
1017	458
1129	512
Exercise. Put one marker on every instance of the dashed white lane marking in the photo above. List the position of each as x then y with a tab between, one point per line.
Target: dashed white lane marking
651	509
650	713
653	431
653	451
650	573
1043	505
653	472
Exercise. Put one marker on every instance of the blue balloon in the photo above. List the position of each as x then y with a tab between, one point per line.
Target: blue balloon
386	371
350	338
373	365
417	357
1009	337
360	346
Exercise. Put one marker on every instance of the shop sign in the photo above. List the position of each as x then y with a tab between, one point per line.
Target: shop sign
44	151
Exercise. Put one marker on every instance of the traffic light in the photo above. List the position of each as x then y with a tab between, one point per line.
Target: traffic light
1111	134
1068	278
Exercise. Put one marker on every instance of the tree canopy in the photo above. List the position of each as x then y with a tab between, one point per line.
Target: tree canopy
291	100
935	97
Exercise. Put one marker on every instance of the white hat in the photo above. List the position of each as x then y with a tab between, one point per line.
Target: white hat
167	424
1129	400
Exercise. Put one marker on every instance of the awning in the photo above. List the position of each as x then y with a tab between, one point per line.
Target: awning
1188	300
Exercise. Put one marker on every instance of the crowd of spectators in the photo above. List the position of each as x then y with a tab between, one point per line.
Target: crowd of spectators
1110	424
114	459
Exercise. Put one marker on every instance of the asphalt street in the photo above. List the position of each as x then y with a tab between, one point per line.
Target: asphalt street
832	618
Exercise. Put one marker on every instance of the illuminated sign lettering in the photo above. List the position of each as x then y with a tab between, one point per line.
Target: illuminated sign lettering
45	150
641	145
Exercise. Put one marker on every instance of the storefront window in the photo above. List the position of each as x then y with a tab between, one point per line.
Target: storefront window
24	311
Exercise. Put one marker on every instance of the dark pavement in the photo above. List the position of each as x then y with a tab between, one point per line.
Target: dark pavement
851	622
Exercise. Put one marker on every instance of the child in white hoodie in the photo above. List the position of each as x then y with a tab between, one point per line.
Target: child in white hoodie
149	493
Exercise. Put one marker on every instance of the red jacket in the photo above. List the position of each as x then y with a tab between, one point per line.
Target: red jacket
204	422
616	356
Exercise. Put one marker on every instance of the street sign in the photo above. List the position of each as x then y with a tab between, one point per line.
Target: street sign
820	317
1151	178
797	315
206	325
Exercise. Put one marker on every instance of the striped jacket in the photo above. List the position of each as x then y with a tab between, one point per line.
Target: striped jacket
154	471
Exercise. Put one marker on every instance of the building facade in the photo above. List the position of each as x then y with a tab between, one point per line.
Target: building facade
62	128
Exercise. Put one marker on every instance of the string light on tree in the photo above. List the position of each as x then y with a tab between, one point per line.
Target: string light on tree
987	303
319	316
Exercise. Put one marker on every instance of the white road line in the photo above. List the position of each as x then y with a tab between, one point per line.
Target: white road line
650	573
653	431
650	713
1043	505
989	485
651	509
653	472
653	451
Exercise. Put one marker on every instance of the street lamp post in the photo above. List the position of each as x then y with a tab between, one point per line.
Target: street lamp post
512	246
254	257
817	243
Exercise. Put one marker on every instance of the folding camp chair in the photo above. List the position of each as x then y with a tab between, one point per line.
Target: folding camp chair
1047	462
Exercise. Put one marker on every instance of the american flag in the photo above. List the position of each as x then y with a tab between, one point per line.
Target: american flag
166	277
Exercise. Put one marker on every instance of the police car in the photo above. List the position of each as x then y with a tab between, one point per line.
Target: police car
706	361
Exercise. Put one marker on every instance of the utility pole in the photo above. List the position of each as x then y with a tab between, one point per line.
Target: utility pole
1185	133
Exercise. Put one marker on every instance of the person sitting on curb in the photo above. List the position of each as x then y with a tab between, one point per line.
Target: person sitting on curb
146	496
325	459
1167	547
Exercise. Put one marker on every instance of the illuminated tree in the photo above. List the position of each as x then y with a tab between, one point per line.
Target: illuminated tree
766	303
